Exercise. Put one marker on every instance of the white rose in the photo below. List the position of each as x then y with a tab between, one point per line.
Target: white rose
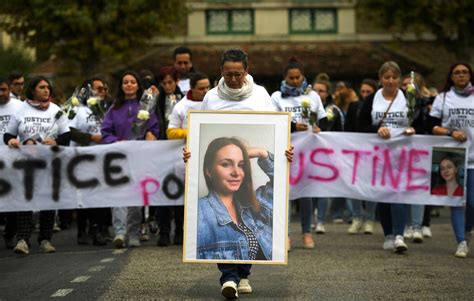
329	114
411	89
305	103
92	102
143	115
74	101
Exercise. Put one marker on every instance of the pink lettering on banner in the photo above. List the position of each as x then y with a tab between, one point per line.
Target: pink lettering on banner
375	160
335	172
413	157
299	175
394	166
388	168
357	155
145	186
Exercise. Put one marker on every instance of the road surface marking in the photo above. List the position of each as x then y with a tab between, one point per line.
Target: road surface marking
107	260
97	268
119	251
62	292
80	279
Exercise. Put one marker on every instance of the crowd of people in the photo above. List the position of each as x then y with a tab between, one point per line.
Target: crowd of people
377	106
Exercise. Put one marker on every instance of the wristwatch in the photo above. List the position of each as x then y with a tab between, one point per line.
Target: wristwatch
450	132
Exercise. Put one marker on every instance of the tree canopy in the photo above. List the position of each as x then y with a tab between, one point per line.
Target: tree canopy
89	35
14	58
450	21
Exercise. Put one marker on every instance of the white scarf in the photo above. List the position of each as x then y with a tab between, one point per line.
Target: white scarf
224	92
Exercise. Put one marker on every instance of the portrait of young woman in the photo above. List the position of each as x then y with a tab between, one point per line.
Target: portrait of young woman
234	219
449	182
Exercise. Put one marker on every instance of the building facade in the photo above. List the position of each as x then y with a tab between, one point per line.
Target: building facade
323	34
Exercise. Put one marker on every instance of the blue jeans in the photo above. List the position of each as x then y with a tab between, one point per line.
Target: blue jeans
462	219
306	213
322	205
338	205
470	201
417	212
458	222
393	218
233	272
355	206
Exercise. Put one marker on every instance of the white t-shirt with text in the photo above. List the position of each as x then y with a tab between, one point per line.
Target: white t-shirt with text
6	110
85	121
29	122
456	113
293	105
396	116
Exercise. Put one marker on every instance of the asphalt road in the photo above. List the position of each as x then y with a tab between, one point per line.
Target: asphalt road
341	267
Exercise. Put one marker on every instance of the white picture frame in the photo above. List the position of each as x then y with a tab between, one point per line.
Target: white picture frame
266	131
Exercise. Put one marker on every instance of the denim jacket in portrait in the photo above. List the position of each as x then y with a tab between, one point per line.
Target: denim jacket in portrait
218	238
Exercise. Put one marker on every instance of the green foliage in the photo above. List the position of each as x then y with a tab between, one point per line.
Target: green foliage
450	21
14	58
90	34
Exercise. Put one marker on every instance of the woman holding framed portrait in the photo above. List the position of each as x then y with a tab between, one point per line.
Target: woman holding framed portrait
236	91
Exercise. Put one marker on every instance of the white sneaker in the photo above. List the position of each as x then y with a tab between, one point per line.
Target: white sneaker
417	236
368	227
47	247
320	229
119	241
21	247
426	231
144	233
462	250
389	243
400	245
408	233
229	290
56	228
244	286
133	241
355	227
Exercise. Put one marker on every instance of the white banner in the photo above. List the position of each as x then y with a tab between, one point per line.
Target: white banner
132	173
359	166
402	169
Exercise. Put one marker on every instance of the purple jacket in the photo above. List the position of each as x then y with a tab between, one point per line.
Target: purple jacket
117	124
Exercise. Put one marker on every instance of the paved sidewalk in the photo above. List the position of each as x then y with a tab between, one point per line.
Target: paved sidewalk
341	267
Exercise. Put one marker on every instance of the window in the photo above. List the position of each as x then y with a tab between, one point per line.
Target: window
238	21
313	21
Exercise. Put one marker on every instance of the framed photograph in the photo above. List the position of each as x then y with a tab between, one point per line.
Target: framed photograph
448	171
236	195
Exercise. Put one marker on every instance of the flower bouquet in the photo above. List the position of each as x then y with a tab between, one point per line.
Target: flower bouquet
147	106
68	108
95	105
309	117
